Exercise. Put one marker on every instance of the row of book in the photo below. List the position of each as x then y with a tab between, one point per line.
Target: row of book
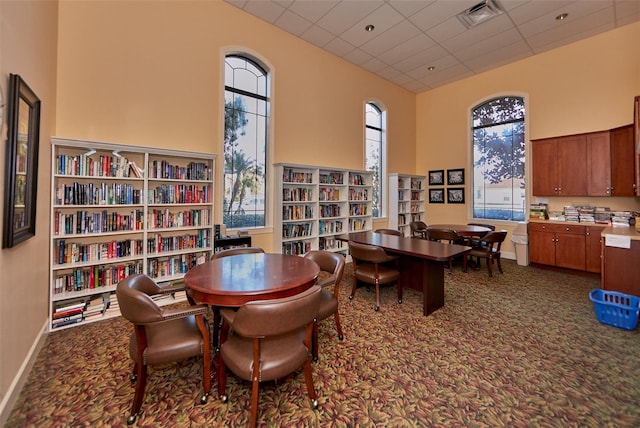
295	230
292	176
329	227
297	212
358	209
165	219
180	194
94	277
331	210
329	194
325	244
356	224
158	268
86	222
298	194
102	166
358	195
75	252
193	171
332	178
98	194
160	244
296	248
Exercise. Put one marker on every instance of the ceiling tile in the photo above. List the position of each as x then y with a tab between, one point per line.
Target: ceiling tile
409	48
266	10
395	35
346	14
357	56
317	35
438	12
339	47
312	10
382	19
293	23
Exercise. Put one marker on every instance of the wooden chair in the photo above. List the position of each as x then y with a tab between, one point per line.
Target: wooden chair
161	335
389	232
271	339
488	249
418	229
331	271
445	235
371	265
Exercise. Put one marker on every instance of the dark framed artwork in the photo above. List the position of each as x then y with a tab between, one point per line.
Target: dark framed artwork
436	177
455	195
21	170
455	176
436	196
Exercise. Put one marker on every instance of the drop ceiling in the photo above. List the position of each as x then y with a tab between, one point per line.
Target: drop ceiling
422	44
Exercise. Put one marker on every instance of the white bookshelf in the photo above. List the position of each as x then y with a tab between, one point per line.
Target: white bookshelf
407	196
117	210
314	204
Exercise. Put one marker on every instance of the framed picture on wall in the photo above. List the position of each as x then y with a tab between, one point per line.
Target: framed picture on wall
436	196
455	195
436	177
455	176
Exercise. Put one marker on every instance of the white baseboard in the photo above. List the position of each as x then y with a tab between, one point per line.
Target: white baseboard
10	398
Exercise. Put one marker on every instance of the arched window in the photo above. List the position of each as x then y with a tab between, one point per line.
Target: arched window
499	159
246	110
375	153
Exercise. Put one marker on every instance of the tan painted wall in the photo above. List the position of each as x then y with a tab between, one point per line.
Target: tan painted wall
28	48
586	86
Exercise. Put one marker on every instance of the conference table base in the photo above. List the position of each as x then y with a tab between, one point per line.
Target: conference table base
426	276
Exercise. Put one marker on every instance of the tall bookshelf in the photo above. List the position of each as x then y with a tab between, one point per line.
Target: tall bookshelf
315	204
407	196
117	210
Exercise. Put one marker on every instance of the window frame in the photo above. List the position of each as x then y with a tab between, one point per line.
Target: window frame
526	175
382	181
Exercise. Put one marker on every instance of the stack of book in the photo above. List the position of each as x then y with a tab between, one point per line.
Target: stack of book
538	211
586	213
602	215
68	312
622	218
556	215
571	213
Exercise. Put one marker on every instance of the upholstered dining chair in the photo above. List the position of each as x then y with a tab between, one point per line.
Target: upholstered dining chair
237	250
161	335
371	265
331	272
489	249
446	235
389	232
266	342
418	229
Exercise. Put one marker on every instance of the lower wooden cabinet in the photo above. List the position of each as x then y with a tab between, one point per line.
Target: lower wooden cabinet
593	246
621	270
564	245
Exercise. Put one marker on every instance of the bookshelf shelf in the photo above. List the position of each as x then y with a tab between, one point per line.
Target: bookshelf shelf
318	203
119	210
407	196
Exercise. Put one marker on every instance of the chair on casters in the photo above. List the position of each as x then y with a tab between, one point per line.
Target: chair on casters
267	342
331	271
161	335
389	232
446	235
371	265
488	249
418	229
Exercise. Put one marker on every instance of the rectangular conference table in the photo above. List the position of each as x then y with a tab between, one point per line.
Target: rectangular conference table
421	263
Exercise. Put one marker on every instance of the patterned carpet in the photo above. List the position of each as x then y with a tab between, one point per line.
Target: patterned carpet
523	349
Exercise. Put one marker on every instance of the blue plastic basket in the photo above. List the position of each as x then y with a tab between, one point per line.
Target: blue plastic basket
616	309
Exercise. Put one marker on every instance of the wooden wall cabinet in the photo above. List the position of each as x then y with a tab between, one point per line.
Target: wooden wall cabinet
593	164
557	245
406	201
559	166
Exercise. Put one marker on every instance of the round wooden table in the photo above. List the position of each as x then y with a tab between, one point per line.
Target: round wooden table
235	280
462	229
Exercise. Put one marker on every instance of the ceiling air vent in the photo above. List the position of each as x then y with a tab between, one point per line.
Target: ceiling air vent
479	13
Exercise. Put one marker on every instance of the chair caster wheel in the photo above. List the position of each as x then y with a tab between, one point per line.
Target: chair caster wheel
133	378
132	419
315	404
224	398
376	308
204	398
341	337
315	359
351	297
400	301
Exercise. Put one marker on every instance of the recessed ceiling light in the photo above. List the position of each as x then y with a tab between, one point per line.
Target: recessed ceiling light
562	16
431	68
369	28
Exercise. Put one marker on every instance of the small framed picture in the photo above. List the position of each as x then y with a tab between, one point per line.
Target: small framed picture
455	176
455	195
436	196
436	177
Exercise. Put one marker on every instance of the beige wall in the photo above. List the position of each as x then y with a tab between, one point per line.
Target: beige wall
586	86
28	48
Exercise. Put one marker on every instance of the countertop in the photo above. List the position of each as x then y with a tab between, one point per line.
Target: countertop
630	231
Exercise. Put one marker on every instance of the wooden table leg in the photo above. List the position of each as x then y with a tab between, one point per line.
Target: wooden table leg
426	276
